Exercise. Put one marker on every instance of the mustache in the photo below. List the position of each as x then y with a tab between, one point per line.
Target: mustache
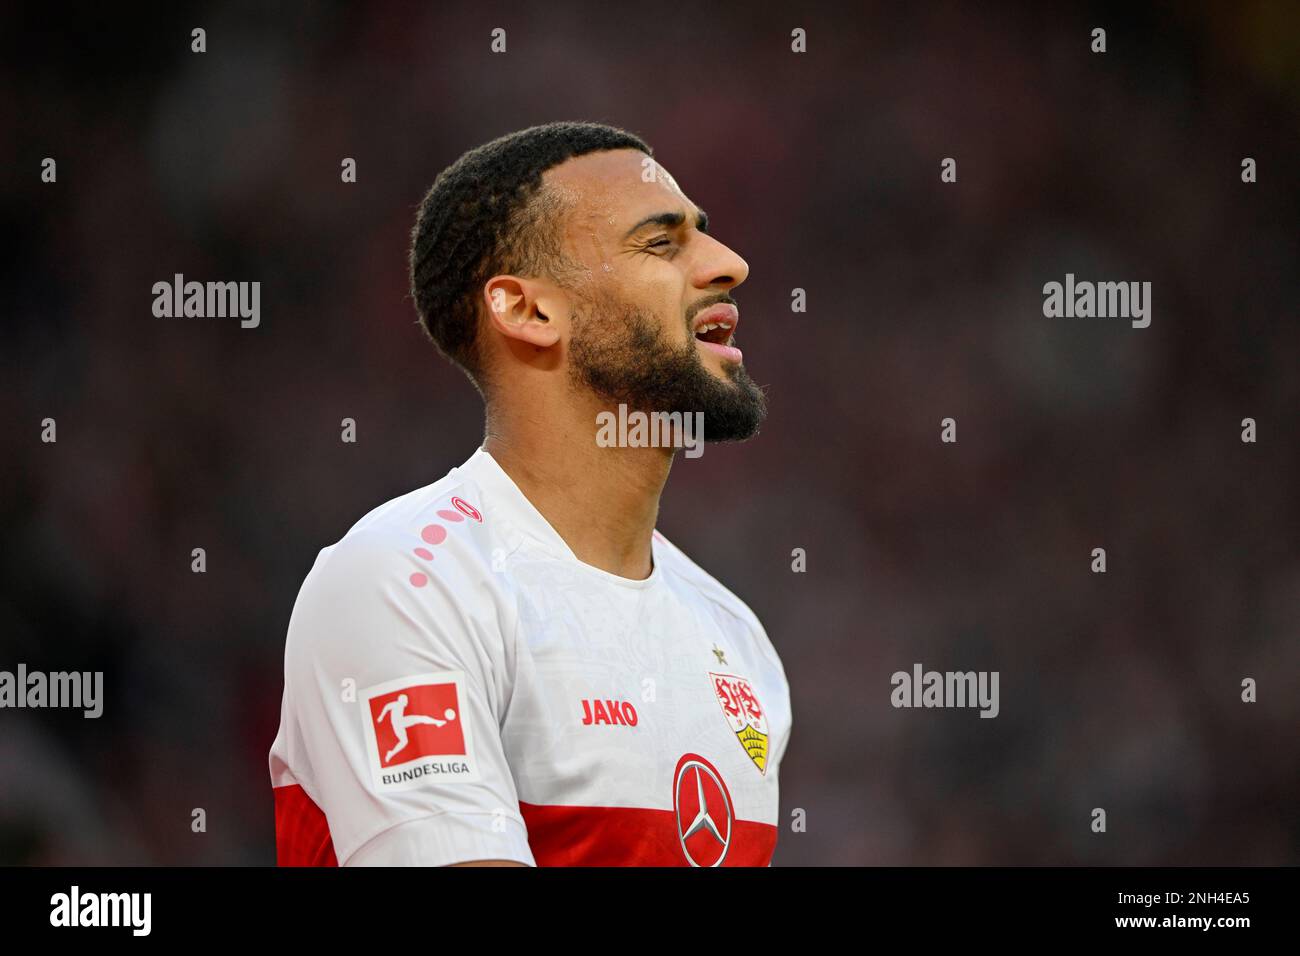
708	301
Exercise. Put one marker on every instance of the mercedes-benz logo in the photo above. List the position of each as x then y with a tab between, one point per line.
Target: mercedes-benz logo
704	813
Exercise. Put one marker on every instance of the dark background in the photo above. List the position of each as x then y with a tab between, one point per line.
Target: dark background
1118	690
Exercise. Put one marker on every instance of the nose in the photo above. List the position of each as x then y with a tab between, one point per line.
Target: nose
719	266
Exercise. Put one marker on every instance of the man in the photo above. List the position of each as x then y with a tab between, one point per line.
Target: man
601	700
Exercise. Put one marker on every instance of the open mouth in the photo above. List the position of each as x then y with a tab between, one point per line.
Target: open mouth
718	333
714	329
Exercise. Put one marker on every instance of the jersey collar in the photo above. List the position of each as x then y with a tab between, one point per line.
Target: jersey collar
521	512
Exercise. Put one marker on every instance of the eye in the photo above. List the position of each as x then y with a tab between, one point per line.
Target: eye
661	241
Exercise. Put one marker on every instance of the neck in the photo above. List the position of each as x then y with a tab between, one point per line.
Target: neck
603	502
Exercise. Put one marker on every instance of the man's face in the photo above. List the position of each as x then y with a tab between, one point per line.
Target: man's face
652	282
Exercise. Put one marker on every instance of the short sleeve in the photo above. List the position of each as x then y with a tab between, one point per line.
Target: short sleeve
397	673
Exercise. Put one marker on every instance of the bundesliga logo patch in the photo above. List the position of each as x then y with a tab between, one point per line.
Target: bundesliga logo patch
416	731
744	715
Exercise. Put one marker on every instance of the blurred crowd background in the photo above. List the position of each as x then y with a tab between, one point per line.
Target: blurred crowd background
1118	690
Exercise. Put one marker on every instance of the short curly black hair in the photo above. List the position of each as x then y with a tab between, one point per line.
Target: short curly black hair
485	214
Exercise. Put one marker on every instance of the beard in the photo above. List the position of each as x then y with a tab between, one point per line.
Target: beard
619	352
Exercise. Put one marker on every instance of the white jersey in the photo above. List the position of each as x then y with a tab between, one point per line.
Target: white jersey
459	686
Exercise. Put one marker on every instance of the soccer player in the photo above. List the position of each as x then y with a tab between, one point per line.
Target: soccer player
511	665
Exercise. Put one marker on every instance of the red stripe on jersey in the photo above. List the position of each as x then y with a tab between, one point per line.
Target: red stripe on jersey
302	835
557	835
632	836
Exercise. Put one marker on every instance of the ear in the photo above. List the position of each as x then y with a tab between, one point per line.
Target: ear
514	309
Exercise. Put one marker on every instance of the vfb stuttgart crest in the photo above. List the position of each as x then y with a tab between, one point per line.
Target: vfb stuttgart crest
744	714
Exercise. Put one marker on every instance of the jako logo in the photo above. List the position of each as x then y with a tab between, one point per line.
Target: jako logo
608	712
1126	300
102	909
651	430
208	300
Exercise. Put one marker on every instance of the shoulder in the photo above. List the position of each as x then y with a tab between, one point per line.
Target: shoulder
705	586
442	519
681	567
422	562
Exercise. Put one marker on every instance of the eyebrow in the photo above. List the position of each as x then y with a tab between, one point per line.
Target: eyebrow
671	220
